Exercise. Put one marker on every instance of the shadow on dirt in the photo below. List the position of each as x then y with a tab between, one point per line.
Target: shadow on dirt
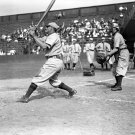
44	92
108	85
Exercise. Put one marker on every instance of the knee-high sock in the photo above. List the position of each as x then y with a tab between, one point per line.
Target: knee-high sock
74	64
30	90
65	87
119	80
68	65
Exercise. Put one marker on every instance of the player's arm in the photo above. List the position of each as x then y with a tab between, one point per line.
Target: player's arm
40	42
116	46
113	51
37	39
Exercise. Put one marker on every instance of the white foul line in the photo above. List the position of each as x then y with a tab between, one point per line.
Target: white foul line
93	83
96	98
99	99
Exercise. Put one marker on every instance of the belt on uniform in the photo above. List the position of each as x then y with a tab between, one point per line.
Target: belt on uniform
54	56
102	50
123	48
90	50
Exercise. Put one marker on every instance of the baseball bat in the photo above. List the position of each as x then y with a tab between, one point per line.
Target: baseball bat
45	13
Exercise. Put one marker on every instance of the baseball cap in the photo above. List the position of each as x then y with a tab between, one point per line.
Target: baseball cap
53	24
91	39
115	25
74	39
103	38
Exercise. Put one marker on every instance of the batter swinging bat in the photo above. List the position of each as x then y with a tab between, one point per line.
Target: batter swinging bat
45	13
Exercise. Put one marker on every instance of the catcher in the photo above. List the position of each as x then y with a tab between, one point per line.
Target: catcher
100	54
53	65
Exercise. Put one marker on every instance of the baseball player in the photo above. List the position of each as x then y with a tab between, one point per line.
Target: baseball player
66	58
121	55
76	51
53	65
107	50
89	49
69	61
100	49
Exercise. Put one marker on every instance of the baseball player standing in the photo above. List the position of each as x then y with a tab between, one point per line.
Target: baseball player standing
76	51
70	48
107	47
121	55
53	65
100	49
89	49
66	58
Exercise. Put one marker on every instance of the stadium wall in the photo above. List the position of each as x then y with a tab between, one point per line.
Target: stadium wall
10	23
21	58
67	13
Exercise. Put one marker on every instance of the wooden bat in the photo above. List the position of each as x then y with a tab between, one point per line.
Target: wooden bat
46	11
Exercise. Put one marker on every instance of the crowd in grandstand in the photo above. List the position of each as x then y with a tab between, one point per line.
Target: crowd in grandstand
77	29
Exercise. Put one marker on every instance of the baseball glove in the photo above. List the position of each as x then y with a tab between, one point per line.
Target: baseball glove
100	58
88	72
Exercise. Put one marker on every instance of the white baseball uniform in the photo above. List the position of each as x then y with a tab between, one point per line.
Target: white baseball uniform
53	65
120	65
76	50
66	58
89	49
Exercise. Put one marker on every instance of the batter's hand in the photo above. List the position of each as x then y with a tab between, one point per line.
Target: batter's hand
32	32
107	59
33	28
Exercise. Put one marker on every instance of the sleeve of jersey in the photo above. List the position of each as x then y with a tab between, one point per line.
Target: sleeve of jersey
51	40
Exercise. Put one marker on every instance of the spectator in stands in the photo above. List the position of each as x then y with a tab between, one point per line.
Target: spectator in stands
81	29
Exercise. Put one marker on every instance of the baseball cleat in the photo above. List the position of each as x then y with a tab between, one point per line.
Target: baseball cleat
23	99
113	86
72	93
117	88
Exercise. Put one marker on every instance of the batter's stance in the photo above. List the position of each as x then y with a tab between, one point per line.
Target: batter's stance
54	64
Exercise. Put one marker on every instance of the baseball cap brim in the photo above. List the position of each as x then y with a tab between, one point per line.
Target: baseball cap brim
53	24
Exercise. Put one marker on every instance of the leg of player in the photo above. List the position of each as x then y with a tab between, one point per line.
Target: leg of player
67	88
25	98
92	66
68	66
73	67
102	66
106	66
115	83
118	85
65	64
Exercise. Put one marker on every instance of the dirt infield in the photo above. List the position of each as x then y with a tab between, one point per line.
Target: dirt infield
94	110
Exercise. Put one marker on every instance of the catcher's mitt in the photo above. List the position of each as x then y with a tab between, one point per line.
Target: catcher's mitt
88	72
100	58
